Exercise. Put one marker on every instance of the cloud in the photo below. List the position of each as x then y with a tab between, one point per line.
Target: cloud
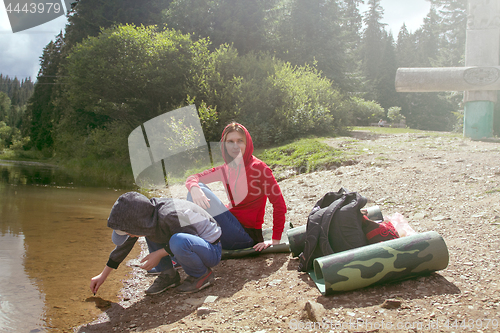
20	52
412	13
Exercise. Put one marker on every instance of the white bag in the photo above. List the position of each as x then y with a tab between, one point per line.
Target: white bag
402	226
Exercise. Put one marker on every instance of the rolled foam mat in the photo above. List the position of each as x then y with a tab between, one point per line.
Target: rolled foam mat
392	260
267	234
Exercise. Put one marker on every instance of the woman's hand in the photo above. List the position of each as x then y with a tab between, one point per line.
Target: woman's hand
264	245
199	197
153	259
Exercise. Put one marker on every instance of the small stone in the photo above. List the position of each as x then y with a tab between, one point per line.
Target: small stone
202	311
274	283
315	311
440	218
210	299
391	304
418	216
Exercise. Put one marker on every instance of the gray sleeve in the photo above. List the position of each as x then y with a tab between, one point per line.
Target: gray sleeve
206	227
120	252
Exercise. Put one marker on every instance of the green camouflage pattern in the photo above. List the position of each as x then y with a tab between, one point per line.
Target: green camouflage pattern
267	234
391	260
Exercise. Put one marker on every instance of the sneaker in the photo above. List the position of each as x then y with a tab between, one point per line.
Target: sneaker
192	284
165	280
176	264
153	272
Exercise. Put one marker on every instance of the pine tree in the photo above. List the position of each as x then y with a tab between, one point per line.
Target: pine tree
406	48
372	47
41	113
385	90
452	24
89	17
310	32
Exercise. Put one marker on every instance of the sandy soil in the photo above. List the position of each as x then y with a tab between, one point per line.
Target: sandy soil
438	181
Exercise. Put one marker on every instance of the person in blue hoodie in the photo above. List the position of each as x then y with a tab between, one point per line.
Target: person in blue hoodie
178	228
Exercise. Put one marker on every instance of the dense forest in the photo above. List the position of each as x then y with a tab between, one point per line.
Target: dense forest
284	68
14	96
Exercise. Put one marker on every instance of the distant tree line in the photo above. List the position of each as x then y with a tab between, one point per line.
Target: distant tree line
14	95
284	68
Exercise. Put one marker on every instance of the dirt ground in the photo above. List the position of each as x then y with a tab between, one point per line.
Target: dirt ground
438	181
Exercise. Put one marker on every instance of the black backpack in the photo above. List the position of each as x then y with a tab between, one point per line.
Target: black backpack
334	225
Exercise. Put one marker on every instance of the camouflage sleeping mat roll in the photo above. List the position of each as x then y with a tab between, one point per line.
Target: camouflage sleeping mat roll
393	260
267	234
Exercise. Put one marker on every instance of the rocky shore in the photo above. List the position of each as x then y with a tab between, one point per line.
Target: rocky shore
438	181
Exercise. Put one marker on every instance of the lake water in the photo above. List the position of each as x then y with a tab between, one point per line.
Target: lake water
53	240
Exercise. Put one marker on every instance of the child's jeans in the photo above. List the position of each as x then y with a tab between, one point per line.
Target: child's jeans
193	253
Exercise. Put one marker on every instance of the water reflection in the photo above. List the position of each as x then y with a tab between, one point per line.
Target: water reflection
53	238
32	173
21	304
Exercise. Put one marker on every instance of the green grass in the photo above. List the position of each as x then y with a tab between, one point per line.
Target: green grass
303	155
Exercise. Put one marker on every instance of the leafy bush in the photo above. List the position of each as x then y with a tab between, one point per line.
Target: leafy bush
274	100
8	135
131	73
363	112
394	114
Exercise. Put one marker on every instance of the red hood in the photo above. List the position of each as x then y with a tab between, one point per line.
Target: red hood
247	156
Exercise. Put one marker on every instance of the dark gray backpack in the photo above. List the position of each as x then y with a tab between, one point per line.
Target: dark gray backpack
334	225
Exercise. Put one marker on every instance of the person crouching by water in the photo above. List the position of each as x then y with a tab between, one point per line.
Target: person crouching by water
176	227
248	182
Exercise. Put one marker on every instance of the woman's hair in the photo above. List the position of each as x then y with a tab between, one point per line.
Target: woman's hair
233	127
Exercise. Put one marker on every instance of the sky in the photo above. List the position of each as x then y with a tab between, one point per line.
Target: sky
20	52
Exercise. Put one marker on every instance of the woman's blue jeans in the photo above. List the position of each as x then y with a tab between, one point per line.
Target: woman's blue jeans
233	237
193	253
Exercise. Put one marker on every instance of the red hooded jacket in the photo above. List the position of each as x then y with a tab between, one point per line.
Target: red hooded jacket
248	183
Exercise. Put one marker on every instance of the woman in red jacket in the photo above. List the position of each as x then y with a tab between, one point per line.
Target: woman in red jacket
248	182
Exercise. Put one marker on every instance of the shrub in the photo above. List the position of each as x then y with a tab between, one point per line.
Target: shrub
364	112
273	99
394	114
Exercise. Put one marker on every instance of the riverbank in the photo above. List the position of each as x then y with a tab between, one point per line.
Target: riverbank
438	181
90	172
